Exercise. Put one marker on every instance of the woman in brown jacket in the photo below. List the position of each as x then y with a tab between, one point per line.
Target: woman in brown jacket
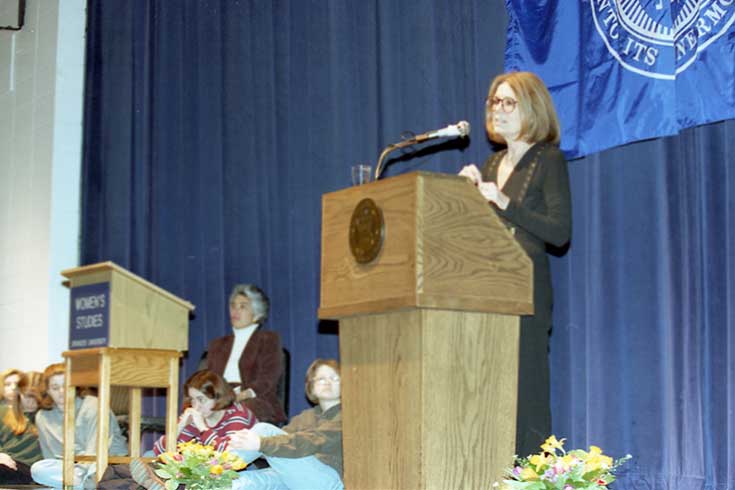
250	358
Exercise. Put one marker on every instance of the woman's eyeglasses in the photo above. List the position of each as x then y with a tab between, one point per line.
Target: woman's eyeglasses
328	379
506	103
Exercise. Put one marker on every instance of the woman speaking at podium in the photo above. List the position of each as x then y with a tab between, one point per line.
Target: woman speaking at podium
528	185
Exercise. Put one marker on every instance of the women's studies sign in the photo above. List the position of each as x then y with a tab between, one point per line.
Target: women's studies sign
89	318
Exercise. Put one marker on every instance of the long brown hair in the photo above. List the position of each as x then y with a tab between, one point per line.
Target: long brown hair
32	386
14	418
47	403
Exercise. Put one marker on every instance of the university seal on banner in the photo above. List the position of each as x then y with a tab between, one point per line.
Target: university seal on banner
660	38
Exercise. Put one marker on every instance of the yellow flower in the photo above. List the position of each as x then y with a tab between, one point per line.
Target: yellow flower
539	460
528	474
551	444
216	469
595	460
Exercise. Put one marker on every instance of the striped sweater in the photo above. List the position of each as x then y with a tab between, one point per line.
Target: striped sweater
236	417
23	447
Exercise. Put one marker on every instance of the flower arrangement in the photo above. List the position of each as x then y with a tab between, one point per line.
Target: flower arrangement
556	469
198	467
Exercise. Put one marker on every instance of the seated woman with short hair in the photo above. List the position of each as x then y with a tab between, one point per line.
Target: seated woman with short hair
250	358
306	453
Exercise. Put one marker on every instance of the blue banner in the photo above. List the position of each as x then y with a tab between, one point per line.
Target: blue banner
627	70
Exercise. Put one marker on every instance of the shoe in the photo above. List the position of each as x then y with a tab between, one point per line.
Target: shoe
144	475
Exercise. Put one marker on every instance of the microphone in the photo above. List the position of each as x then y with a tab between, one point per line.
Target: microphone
461	130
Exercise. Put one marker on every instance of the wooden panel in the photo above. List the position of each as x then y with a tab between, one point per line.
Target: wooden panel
140	319
429	398
381	401
112	459
172	401
469	379
70	394
103	416
444	248
132	367
140	369
142	315
85	370
392	274
134	422
92	277
101	272
469	258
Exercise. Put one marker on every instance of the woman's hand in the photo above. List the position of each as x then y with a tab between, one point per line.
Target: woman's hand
191	416
244	439
490	191
472	173
6	460
197	419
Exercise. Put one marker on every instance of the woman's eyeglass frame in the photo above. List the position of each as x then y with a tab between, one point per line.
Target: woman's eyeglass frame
508	104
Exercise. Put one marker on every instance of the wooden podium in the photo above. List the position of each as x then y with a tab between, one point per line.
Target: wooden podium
127	332
428	332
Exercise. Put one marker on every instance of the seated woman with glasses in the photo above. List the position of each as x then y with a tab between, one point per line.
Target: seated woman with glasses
527	184
306	453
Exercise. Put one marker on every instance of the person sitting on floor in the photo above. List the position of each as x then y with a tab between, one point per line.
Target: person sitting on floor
306	453
50	423
211	417
31	394
19	447
10	380
212	414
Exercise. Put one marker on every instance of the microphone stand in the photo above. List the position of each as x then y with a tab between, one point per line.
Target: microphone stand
412	141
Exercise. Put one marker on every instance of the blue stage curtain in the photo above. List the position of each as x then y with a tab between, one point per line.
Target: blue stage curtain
643	350
213	128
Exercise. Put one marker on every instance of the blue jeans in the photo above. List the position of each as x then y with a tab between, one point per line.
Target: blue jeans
49	472
307	473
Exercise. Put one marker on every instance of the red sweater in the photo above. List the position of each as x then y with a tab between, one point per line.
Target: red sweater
236	417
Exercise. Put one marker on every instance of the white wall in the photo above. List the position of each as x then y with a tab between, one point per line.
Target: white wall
41	86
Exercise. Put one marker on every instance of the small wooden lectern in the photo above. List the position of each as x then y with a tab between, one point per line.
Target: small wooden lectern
428	334
141	332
